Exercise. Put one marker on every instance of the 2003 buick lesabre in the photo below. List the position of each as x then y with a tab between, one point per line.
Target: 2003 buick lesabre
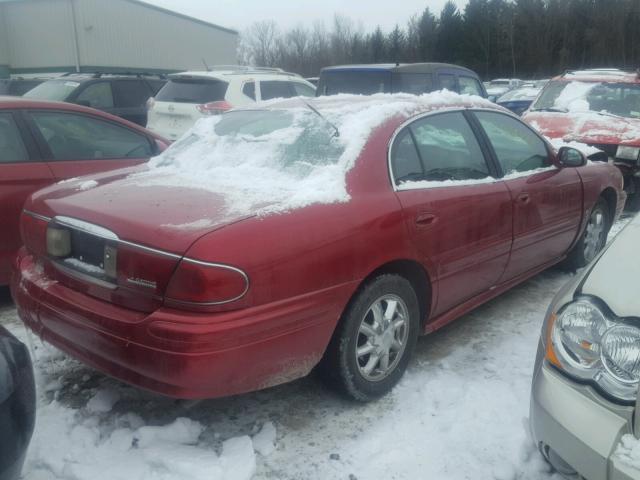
269	240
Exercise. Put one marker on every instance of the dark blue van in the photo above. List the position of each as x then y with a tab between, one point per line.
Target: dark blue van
415	78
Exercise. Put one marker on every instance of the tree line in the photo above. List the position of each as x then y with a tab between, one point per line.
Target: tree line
495	38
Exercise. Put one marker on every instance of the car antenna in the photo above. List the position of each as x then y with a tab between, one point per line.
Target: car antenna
206	67
315	110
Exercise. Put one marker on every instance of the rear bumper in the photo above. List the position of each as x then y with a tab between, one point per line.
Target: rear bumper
568	421
181	354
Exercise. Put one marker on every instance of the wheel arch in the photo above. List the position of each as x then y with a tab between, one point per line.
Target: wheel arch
415	273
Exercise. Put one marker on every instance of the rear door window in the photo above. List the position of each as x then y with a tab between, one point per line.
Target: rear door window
12	148
192	90
469	86
448	81
405	161
96	95
448	148
131	93
275	89
71	136
414	83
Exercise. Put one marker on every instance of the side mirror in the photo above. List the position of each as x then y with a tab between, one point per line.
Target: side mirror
571	157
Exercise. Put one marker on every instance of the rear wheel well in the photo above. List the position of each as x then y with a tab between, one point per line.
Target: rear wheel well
609	196
415	274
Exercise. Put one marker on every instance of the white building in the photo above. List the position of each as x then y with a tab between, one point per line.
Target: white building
106	35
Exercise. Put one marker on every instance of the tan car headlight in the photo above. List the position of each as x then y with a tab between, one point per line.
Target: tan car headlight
589	343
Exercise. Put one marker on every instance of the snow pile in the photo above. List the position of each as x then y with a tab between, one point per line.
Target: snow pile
87	185
291	160
573	97
587	150
126	449
628	451
103	401
264	441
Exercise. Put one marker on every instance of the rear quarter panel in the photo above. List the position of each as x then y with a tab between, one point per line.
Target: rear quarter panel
596	178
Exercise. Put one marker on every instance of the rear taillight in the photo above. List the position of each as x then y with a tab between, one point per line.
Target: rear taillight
202	283
142	270
214	108
151	103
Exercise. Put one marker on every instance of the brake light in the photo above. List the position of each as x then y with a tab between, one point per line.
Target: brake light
203	283
214	108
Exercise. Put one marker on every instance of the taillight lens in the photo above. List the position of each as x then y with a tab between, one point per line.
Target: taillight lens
214	108
204	283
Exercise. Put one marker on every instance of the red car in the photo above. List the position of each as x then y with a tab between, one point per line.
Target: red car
598	107
272	239
45	142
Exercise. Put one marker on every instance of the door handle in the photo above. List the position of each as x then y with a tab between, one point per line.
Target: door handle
425	219
524	198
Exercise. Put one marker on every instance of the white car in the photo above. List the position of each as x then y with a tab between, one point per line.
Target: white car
189	96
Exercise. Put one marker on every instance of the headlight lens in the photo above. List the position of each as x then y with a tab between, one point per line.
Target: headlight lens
589	343
628	153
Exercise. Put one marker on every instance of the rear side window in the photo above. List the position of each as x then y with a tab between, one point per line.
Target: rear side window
448	148
275	89
518	149
470	86
96	95
249	89
303	90
131	93
448	81
415	83
358	82
72	136
192	90
405	161
12	149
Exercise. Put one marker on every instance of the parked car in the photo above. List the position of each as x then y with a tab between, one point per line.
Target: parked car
122	95
281	236
584	397
519	99
499	86
190	96
600	108
17	405
46	142
18	86
312	80
414	78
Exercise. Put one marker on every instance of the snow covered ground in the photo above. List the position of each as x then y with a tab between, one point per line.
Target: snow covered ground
459	413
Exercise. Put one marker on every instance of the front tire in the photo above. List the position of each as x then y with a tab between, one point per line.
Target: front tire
372	345
593	239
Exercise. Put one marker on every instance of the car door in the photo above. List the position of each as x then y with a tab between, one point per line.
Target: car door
76	144
456	212
547	200
21	173
130	98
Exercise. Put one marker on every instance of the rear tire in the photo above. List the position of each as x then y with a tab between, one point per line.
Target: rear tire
374	340
593	239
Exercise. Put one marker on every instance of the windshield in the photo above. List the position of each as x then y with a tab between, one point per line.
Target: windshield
621	99
361	82
56	90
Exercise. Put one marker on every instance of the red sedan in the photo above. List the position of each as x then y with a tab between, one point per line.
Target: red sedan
274	239
45	142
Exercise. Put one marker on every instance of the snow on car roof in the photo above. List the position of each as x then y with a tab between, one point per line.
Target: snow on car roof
601	75
291	159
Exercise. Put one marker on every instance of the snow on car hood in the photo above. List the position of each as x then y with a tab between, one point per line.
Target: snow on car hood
264	169
613	278
586	127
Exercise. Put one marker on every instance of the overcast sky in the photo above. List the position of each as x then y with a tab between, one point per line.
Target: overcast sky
239	14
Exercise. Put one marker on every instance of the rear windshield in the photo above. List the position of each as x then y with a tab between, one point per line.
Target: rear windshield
192	90
358	82
56	90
